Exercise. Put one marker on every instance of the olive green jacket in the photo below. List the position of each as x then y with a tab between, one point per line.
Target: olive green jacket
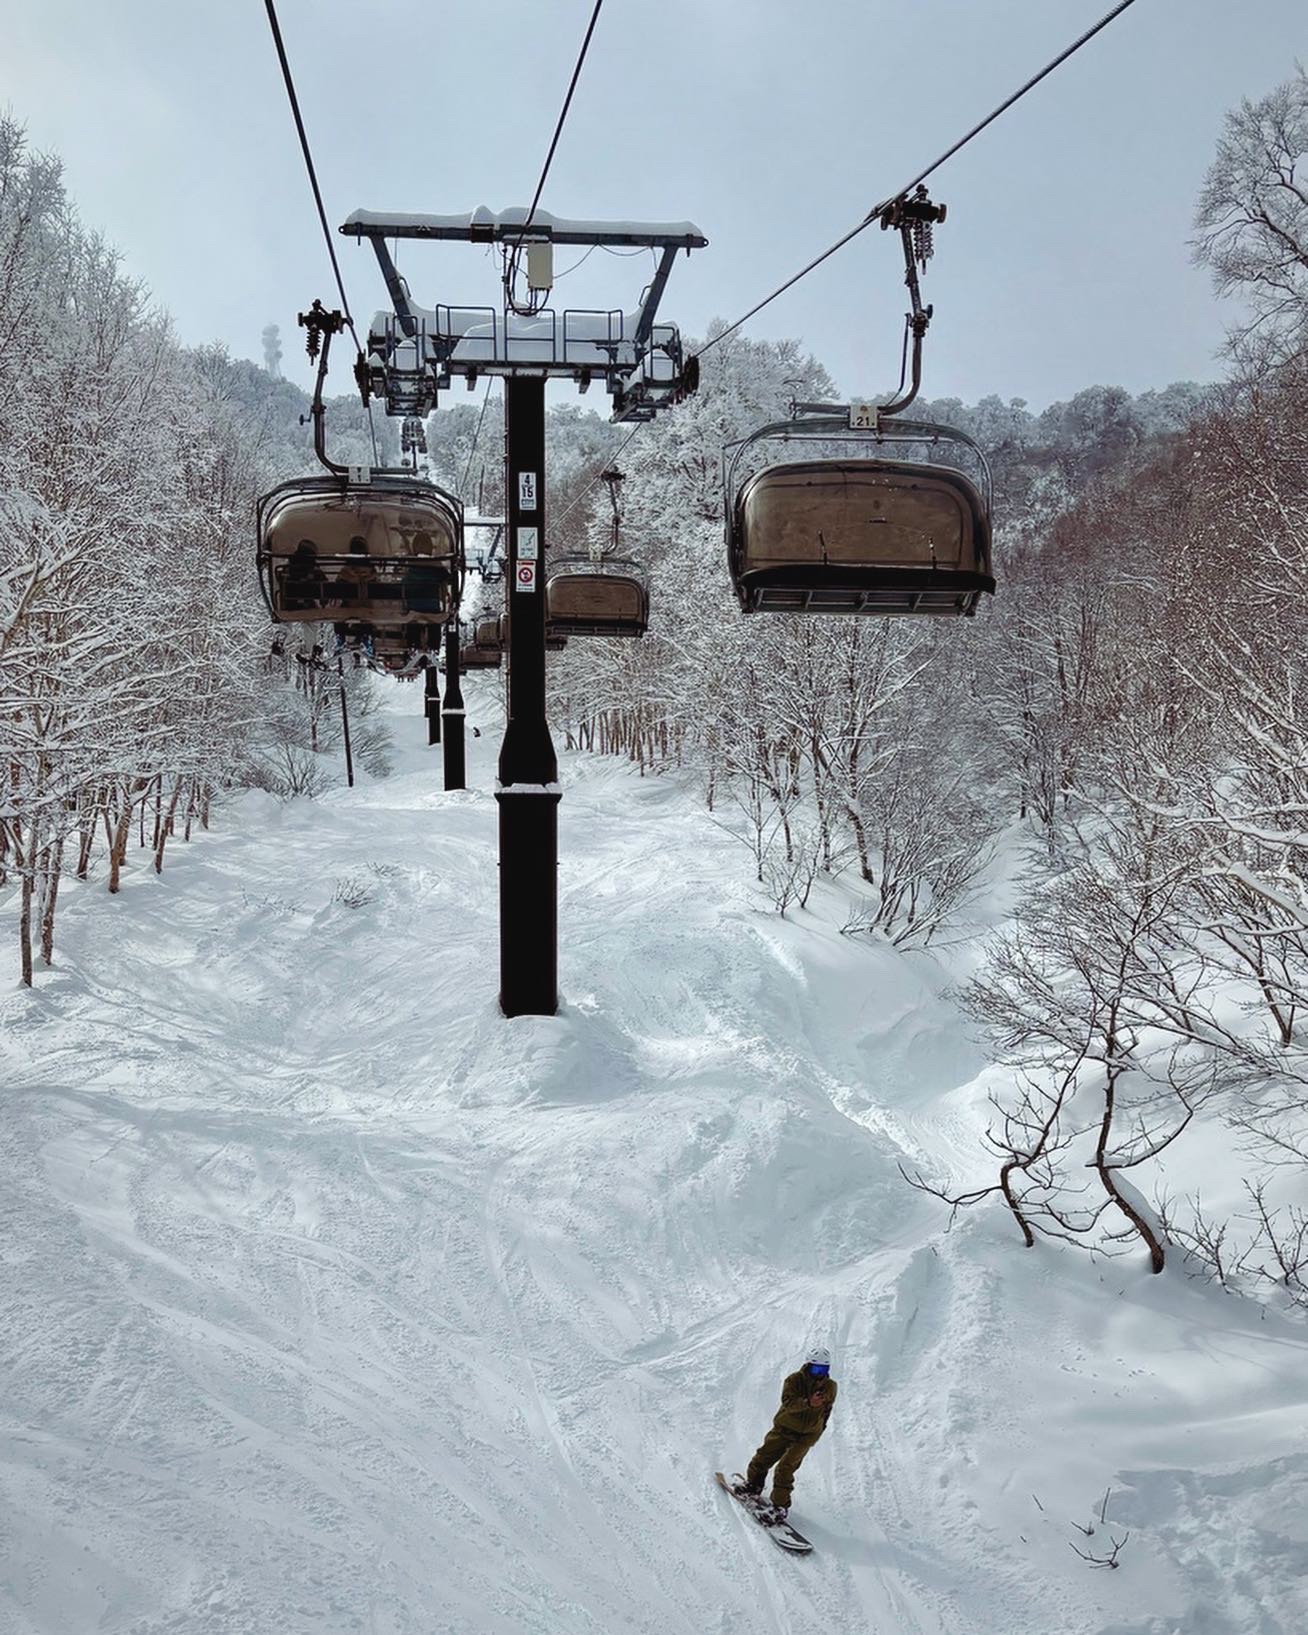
795	1416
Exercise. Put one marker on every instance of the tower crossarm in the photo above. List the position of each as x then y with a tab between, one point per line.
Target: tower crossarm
482	226
414	350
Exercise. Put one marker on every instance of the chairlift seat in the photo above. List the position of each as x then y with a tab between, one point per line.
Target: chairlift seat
863	536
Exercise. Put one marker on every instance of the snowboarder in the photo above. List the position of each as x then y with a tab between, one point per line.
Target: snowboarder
807	1398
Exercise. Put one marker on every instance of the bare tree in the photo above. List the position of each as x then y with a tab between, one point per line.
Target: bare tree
1252	219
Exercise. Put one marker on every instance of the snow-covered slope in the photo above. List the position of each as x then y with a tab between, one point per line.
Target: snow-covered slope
332	1301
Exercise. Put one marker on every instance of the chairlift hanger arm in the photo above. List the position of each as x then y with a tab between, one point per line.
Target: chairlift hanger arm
915	216
907	396
613	480
321	326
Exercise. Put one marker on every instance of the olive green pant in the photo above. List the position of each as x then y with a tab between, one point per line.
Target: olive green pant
786	1452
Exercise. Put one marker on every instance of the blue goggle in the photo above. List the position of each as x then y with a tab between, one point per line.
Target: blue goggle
819	1368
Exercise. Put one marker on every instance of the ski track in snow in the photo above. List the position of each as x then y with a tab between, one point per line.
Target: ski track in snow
335	1302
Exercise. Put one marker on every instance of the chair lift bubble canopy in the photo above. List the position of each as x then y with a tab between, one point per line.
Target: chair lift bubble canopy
486	649
862	535
472	657
492	636
596	596
383	551
488	635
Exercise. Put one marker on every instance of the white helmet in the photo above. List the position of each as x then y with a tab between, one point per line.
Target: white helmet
820	1355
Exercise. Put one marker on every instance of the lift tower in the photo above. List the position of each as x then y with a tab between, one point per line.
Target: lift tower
414	352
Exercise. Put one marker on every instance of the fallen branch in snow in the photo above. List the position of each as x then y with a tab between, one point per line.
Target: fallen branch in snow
1109	1560
1102	1561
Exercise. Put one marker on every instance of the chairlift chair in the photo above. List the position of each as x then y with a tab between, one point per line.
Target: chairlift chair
394	645
486	649
472	657
386	551
389	659
862	535
490	642
600	593
605	596
488	634
555	640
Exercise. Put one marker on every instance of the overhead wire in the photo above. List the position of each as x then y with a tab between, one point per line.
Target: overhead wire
609	464
579	263
872	216
563	114
476	438
536	197
876	214
512	255
317	195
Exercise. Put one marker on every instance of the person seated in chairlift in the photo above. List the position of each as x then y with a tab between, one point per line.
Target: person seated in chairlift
304	582
353	578
426	585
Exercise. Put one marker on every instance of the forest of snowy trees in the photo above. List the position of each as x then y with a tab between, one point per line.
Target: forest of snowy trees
133	644
1121	730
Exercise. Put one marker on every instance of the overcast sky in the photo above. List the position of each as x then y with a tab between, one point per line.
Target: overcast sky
772	124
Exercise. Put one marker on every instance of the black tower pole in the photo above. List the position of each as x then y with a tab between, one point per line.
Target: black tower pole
528	791
431	683
345	723
453	712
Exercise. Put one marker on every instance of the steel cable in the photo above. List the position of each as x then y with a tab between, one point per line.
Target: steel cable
876	214
317	196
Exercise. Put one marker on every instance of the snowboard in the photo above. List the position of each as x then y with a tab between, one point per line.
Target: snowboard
781	1533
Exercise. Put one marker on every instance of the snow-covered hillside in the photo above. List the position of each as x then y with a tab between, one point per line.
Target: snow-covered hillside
334	1302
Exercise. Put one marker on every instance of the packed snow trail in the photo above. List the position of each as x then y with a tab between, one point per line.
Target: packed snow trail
333	1301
